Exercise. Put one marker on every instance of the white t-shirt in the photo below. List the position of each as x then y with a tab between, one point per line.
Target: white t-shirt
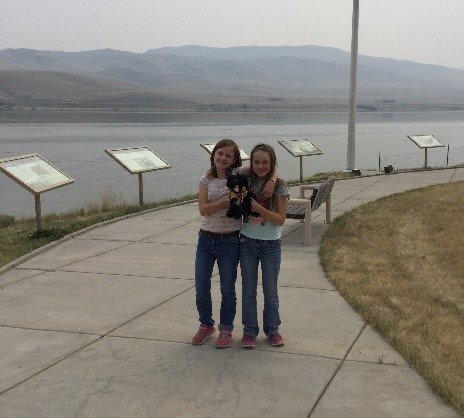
218	222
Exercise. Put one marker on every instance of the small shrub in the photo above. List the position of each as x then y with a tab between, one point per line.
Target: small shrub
109	200
6	221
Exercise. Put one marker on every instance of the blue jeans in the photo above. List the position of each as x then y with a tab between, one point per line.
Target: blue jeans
252	252
224	251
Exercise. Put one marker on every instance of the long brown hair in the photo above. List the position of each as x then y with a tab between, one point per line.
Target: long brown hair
272	156
221	144
268	149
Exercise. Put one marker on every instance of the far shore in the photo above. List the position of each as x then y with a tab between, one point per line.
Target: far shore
219	115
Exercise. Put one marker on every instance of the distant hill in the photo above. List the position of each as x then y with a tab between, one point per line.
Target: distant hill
243	53
195	76
50	88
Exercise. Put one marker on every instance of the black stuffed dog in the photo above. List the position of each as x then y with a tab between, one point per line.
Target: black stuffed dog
239	196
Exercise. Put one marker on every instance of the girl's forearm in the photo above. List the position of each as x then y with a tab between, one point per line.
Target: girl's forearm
274	217
213	207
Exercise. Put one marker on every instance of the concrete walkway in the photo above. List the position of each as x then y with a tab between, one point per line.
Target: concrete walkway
100	326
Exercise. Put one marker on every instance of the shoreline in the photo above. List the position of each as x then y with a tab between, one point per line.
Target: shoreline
226	116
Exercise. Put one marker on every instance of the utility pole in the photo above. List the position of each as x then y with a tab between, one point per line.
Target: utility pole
353	81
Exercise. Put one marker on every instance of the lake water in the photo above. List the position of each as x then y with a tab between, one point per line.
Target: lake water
76	146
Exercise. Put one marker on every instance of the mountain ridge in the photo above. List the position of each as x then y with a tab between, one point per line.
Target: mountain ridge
193	75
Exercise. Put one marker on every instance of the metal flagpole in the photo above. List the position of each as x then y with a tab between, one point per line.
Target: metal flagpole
353	79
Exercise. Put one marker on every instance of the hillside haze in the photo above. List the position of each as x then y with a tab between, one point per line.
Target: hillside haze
199	77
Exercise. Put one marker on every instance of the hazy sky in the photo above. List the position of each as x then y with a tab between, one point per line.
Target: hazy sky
427	31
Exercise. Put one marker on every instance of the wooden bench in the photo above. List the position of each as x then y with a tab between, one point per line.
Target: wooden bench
301	208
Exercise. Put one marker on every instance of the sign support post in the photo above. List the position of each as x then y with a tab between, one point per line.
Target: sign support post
301	169
140	189
38	212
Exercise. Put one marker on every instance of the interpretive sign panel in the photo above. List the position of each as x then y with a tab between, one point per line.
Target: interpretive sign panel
34	173
138	159
300	147
425	141
209	147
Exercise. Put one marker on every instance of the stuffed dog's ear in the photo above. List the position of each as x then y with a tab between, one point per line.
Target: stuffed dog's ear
232	180
236	179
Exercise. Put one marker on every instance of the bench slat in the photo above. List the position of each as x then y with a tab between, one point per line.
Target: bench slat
296	211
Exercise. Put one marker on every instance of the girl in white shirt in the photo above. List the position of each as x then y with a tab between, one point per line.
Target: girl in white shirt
218	241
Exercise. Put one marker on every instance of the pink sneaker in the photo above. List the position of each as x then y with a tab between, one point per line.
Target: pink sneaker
276	340
248	341
203	333
225	339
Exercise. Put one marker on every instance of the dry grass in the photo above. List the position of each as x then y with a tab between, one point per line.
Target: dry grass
399	262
